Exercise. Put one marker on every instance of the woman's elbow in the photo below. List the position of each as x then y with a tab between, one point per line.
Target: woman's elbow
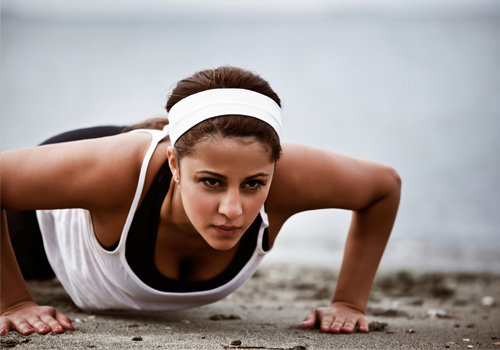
391	183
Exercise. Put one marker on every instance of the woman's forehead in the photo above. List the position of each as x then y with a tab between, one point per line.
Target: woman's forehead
230	144
230	153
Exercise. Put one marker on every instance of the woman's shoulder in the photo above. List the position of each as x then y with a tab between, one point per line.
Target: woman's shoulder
84	173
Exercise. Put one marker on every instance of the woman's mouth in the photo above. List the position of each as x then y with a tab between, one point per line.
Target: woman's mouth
227	231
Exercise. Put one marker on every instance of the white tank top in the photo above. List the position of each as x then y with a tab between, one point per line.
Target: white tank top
96	278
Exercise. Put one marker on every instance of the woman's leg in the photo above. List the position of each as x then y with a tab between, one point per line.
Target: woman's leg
23	226
86	133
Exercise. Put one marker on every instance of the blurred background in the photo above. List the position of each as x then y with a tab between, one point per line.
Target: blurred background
413	84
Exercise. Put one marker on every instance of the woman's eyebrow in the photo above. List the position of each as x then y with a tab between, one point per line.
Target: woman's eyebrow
212	173
258	175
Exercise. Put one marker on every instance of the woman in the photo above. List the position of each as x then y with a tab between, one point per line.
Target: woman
180	217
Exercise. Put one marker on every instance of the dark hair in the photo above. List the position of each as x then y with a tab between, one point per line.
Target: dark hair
225	126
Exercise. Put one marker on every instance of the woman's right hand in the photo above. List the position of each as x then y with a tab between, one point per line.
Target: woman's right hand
27	317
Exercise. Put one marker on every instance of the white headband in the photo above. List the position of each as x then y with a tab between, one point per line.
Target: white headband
217	102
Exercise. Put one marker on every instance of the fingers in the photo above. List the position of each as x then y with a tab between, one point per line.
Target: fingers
24	327
327	324
40	326
54	320
363	325
337	318
52	323
349	326
310	320
345	325
335	326
5	325
64	320
335	323
21	325
43	321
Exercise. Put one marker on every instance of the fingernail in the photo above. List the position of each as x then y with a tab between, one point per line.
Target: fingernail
4	331
28	330
58	329
69	326
44	329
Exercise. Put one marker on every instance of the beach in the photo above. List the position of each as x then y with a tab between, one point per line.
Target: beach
407	310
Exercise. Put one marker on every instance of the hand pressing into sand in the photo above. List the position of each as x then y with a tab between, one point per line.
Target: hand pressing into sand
336	318
27	316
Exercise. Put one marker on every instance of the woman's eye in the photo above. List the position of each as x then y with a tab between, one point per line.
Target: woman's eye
254	184
212	183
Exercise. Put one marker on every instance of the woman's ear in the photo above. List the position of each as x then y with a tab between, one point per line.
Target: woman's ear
172	163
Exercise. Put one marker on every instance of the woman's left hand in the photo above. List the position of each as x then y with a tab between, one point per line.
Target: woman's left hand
336	318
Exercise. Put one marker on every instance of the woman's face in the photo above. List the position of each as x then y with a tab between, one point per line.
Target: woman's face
223	185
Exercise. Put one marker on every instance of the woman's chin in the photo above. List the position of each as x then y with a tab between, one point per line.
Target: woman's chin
222	244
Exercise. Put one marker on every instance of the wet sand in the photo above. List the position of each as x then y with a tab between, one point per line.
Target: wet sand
408	311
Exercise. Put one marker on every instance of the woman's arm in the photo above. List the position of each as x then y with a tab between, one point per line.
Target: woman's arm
309	178
88	174
99	175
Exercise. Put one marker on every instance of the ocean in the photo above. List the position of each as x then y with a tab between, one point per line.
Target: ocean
415	87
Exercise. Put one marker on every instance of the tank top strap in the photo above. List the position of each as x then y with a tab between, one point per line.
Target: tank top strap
262	244
157	136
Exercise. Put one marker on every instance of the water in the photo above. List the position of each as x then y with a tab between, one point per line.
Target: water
418	90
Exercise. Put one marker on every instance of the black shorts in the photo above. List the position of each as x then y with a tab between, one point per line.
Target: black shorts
24	230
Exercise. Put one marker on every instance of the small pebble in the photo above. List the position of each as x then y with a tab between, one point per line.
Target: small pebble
375	326
437	313
221	317
137	338
236	342
410	331
168	328
487	301
470	346
466	339
186	321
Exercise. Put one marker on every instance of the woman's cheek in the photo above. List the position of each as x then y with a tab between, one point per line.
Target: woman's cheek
198	201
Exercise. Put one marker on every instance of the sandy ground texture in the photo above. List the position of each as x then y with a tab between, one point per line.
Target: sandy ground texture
408	311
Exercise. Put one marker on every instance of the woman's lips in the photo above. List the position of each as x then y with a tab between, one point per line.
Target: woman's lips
227	231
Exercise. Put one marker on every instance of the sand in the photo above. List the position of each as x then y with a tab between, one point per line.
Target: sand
422	311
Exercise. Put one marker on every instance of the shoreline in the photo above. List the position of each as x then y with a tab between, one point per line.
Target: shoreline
421	311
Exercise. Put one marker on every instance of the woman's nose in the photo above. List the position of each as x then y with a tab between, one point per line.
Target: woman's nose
230	205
